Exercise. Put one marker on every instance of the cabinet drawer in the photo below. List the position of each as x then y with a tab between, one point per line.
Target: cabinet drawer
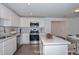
7	50
7	42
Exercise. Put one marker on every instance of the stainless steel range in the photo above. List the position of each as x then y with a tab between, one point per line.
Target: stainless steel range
34	33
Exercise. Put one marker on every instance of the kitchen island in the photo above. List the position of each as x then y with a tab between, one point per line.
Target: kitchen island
55	46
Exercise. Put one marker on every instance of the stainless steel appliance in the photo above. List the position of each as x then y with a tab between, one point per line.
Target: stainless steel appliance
18	41
19	38
34	33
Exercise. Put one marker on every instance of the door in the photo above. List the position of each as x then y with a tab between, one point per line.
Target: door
58	28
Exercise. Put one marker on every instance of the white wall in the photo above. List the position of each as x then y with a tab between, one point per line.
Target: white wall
73	25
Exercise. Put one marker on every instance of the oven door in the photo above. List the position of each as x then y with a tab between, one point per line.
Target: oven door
34	37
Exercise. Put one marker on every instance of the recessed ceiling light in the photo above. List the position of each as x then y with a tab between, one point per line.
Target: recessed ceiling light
77	10
28	3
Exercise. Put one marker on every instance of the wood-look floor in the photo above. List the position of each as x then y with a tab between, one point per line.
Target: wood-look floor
28	50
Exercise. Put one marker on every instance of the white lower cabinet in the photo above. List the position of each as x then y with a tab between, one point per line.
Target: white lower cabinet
1	49
7	50
53	49
25	38
8	47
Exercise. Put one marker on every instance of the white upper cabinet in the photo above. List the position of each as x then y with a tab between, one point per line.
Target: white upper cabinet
25	22
14	19
10	17
22	23
41	23
39	20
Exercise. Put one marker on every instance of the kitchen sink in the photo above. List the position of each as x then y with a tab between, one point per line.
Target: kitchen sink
8	36
2	37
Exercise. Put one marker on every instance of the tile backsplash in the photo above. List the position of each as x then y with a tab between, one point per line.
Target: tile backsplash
27	29
1	30
6	30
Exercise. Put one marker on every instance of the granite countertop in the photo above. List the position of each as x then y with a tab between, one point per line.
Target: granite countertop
7	37
4	39
54	41
74	37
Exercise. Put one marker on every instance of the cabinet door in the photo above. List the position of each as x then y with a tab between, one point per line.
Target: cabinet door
41	23
1	49
14	19
22	23
10	46
14	44
55	50
1	22
25	22
7	50
25	38
7	22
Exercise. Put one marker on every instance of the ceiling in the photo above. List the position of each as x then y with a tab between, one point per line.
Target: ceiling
44	9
